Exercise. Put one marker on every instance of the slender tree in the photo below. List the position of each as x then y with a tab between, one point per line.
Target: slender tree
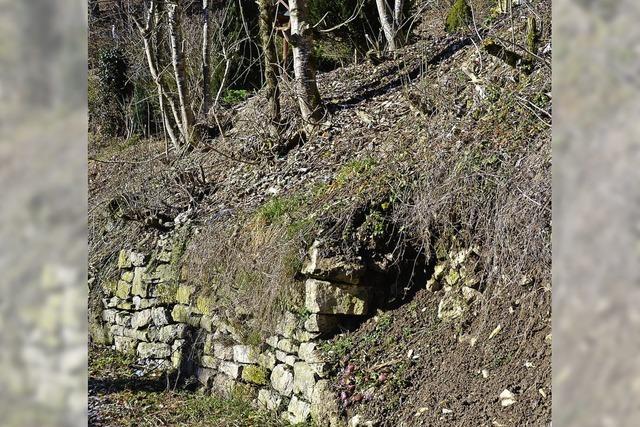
177	60
303	64
206	57
387	27
267	20
398	19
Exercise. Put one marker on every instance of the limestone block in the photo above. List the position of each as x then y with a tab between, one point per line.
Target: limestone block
125	344
282	380
205	304
140	303
299	410
140	285
124	305
283	357
184	293
330	298
123	259
129	333
209	362
222	385
273	341
223	351
123	319
205	375
333	269
185	314
310	353
288	346
140	319
304	379
325	410
245	354
169	333
177	351
255	374
232	369
160	316
109	315
453	306
287	325
127	276
267	359
269	400
148	350
124	290
138	259
301	335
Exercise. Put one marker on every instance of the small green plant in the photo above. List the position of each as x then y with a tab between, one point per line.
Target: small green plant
384	321
354	169
235	96
459	17
278	209
338	347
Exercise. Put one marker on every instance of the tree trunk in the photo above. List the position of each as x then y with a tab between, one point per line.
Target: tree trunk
206	55
175	37
303	65
147	34
267	38
398	19
386	24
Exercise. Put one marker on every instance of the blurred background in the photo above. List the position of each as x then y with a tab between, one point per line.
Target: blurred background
43	139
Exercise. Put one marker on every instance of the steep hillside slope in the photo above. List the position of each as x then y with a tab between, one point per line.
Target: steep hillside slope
433	171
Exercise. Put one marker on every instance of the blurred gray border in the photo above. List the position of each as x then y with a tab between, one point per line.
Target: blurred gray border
596	217
43	177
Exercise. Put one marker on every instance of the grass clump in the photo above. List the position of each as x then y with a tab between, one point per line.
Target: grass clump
459	16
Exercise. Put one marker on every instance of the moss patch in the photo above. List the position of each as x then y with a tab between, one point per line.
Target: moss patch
459	16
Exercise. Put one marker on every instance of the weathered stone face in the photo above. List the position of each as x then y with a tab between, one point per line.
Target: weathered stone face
124	290
288	346
222	351
169	333
332	269
140	285
325	410
230	368
123	259
282	380
109	315
287	325
142	303
329	298
309	353
127	276
125	344
299	410
140	319
184	293
160	316
245	354
267	359
205	375
269	400
209	362
123	319
304	378
283	357
148	350
185	314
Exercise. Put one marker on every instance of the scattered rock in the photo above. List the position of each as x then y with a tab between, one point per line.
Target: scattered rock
506	398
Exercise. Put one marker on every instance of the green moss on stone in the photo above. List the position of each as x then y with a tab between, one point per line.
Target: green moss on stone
123	290
255	374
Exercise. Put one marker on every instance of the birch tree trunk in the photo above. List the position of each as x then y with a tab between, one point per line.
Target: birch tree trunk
175	37
206	55
267	39
398	19
386	24
147	37
303	65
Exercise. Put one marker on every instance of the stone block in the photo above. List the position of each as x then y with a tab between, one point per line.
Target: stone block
124	290
282	380
283	357
299	411
140	285
269	400
177	352
267	359
138	259
123	259
310	353
222	351
222	385
255	374
140	303
141	319
231	369
287	325
205	375
288	346
169	333
109	315
325	409
148	350
185	314
125	344
160	316
123	318
209	362
184	293
304	379
333	269
330	298
127	276
246	354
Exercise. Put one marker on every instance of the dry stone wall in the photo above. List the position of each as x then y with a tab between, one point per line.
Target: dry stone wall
152	315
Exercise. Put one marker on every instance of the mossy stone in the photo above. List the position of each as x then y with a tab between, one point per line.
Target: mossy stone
110	287
127	276
123	290
123	259
184	293
255	374
205	305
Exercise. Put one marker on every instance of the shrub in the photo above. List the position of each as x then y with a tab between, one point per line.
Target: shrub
459	16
